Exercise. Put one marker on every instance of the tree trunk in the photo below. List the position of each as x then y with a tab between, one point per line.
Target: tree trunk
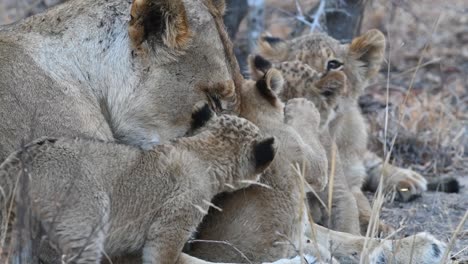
236	10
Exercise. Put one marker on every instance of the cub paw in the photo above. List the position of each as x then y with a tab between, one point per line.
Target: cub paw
407	184
421	248
303	110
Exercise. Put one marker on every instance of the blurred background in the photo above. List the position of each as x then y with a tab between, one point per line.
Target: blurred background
427	50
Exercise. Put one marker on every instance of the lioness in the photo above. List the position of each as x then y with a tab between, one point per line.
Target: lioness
113	70
93	198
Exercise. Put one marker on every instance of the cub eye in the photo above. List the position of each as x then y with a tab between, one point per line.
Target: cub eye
328	93
333	65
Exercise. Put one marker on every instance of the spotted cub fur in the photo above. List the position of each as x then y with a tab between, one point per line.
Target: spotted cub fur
93	197
262	220
322	58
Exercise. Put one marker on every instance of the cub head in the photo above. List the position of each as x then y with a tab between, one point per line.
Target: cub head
233	145
259	96
324	90
360	60
173	46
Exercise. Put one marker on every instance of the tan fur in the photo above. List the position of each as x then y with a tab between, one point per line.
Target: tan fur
303	81
361	60
255	221
265	222
421	248
92	197
79	70
173	15
326	92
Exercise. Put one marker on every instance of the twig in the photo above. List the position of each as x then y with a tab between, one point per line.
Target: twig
223	243
316	17
454	237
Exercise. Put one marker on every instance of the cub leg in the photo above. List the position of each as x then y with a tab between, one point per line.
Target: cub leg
79	229
405	182
365	212
304	118
344	214
169	232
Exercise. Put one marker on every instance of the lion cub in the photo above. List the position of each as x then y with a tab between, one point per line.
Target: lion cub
267	222
93	197
321	56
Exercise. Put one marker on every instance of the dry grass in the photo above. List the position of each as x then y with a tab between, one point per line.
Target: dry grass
427	125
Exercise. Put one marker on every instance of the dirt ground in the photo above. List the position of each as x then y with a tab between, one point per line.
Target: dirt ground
427	64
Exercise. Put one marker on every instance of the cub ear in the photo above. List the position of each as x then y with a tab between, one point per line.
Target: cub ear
274	80
272	47
270	86
264	153
332	85
258	66
201	114
369	48
159	19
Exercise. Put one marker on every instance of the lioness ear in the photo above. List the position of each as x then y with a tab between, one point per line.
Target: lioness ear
369	48
264	153
258	67
272	48
201	114
163	19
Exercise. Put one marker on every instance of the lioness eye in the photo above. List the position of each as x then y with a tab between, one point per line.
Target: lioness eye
333	65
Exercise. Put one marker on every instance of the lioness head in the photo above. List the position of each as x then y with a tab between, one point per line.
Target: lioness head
359	61
233	144
177	44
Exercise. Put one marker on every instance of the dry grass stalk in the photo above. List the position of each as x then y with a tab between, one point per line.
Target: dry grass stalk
304	209
223	243
454	237
331	182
